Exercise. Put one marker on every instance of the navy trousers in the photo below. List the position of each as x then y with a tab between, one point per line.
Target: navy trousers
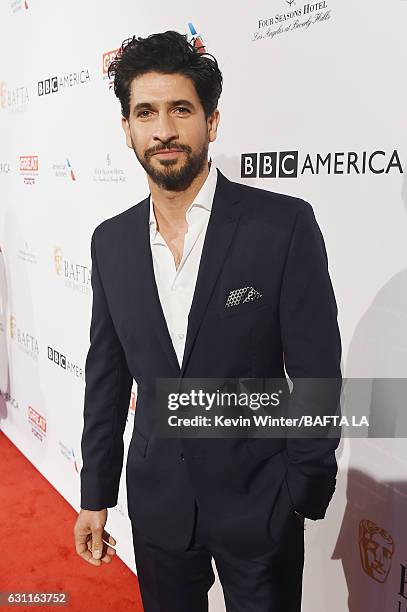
179	582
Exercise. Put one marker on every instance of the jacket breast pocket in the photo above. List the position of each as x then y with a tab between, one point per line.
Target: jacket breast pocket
244	308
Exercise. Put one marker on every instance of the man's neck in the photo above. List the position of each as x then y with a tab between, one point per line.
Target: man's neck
170	206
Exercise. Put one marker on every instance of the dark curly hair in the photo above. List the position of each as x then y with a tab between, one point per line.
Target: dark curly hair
168	53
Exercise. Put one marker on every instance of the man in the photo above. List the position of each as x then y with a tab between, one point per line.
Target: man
204	278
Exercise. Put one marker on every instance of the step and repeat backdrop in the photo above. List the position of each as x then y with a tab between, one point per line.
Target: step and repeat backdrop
313	105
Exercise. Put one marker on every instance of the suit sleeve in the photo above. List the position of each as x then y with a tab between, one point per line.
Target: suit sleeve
108	385
312	355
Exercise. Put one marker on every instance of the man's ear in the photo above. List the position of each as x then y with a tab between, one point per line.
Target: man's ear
126	129
213	122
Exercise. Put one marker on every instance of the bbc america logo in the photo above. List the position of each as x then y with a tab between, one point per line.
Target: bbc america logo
57	357
270	165
59	83
48	86
286	164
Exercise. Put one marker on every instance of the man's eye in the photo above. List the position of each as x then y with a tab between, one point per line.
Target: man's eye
179	108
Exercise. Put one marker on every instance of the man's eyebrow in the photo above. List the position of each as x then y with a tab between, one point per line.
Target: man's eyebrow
148	105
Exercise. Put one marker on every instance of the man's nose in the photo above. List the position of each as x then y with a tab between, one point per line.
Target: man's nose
165	129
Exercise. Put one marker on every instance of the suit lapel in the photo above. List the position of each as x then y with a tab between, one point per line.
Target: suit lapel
222	224
142	285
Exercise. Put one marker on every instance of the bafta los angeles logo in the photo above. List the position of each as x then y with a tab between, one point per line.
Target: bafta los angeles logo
376	547
58	260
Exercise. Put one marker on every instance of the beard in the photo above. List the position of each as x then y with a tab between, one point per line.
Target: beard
168	176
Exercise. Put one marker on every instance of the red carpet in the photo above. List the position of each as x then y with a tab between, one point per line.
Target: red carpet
37	545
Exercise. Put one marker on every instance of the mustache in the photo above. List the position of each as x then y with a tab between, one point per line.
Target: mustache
168	148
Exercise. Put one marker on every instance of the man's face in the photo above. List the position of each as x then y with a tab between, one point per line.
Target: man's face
167	129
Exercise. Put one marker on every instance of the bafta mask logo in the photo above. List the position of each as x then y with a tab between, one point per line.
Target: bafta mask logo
376	547
3	94
58	260
12	326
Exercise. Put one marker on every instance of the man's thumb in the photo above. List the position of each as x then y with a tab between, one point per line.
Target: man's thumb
97	544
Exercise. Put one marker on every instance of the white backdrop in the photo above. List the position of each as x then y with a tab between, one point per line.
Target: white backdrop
321	79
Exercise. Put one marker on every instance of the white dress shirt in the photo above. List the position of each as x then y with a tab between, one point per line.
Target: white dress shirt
176	286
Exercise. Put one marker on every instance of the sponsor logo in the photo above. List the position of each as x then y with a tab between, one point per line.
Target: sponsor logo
108	173
14	99
376	548
376	552
64	363
60	83
64	170
196	39
76	276
26	342
26	254
68	453
291	164
297	17
29	168
38	424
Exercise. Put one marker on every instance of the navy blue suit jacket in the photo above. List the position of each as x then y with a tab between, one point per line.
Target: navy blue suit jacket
254	238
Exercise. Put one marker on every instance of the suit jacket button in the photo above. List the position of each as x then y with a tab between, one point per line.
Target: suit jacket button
182	457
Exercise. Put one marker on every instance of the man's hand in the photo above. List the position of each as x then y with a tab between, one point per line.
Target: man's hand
91	539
